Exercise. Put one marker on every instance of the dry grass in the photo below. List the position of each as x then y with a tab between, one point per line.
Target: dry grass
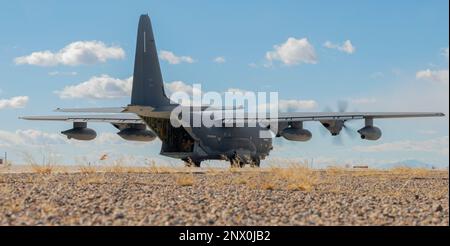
136	170
294	177
116	168
42	169
60	169
88	169
153	168
94	179
416	172
268	185
297	177
234	169
213	171
185	180
399	171
300	186
119	168
336	170
242	179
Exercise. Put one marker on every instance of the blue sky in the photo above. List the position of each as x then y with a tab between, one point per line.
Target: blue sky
398	61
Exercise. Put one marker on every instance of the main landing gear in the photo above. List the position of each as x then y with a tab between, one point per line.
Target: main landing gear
238	162
235	161
189	162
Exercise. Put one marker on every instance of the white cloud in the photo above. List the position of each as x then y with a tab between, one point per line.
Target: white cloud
289	105
14	102
107	87
440	76
293	52
102	87
346	47
445	53
363	100
236	90
220	59
29	137
8	139
76	53
110	138
37	138
171	58
438	145
377	75
294	105
177	90
428	132
283	104
58	73
180	86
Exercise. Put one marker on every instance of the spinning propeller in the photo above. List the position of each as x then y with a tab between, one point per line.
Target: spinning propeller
334	127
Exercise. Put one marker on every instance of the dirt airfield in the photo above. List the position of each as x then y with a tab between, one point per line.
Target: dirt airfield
44	195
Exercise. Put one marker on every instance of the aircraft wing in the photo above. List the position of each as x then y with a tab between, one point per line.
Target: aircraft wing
282	117
92	110
109	118
324	116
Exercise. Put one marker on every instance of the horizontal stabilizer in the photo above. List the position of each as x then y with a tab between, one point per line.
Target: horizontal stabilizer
91	110
212	108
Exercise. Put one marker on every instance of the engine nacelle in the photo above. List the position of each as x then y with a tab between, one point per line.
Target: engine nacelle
370	133
333	126
296	134
135	134
80	132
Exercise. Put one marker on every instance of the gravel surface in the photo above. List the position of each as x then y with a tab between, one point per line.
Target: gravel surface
331	197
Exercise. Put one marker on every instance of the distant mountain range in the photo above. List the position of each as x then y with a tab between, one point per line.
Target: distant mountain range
410	164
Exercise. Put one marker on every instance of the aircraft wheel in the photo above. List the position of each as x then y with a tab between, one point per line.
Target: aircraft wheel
236	162
191	163
255	162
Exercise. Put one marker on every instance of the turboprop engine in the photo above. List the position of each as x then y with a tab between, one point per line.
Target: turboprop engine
295	132
370	132
137	132
80	132
334	126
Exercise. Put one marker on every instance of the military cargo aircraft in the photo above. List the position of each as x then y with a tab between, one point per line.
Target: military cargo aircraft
148	117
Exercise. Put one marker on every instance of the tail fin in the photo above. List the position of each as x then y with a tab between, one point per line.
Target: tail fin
148	87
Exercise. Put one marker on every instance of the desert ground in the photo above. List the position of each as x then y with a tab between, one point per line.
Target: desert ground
46	195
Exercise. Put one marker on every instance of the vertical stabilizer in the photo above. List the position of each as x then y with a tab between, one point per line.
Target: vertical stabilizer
148	87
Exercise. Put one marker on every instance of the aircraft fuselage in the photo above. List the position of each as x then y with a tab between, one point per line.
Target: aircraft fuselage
210	143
